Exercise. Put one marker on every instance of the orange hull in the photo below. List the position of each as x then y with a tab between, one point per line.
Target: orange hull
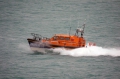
59	40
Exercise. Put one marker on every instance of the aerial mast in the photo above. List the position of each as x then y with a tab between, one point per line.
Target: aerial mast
81	30
70	26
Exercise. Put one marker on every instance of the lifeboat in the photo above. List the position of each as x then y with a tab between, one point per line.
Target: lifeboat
40	44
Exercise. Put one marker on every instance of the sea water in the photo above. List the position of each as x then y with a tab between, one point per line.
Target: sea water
19	18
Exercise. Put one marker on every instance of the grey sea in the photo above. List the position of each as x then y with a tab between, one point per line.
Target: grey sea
19	18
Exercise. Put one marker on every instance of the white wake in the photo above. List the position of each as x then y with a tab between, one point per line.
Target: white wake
89	51
85	51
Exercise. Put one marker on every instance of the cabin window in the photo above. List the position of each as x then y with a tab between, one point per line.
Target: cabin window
67	38
62	38
55	38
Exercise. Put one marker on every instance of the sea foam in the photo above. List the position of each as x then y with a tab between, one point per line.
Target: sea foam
89	51
84	51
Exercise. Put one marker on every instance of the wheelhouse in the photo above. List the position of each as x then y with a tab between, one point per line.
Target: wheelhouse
62	40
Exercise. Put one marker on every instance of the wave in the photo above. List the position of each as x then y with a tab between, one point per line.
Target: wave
78	52
89	51
24	47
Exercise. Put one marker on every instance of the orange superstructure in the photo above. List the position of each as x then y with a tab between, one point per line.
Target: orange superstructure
67	41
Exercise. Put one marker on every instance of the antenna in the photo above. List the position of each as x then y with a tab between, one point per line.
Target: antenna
78	23
81	30
69	31
70	26
84	26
